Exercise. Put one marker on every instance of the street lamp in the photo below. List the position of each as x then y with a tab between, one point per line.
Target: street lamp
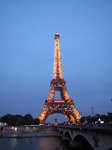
92	112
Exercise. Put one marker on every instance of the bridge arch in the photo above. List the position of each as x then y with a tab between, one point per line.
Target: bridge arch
68	134
82	141
61	132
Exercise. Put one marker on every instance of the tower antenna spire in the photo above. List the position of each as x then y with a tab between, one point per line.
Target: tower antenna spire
56	30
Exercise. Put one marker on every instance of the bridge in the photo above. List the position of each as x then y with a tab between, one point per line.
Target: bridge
96	136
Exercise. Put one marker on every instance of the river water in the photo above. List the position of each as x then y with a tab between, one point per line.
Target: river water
39	143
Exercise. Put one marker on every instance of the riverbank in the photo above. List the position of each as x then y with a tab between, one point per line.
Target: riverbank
28	131
28	135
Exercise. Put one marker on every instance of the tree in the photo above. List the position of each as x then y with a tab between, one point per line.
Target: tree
28	119
18	120
36	121
9	119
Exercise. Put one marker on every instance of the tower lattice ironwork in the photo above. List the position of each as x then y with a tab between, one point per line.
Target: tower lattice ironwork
64	106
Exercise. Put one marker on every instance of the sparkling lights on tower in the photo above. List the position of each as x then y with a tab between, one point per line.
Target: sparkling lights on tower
64	106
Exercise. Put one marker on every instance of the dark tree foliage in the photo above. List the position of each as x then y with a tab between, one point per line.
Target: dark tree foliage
28	119
18	120
106	118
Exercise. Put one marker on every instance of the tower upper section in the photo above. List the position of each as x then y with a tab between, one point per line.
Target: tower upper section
57	73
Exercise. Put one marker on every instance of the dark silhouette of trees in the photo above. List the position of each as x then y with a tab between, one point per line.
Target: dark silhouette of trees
106	118
28	119
18	120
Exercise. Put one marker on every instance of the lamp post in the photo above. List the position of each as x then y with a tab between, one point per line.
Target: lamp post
92	112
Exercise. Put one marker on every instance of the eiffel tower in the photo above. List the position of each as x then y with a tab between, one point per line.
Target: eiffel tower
64	106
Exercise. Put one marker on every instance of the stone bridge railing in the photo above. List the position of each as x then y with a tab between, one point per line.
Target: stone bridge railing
97	137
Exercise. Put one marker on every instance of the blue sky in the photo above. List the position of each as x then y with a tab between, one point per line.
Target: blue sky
27	31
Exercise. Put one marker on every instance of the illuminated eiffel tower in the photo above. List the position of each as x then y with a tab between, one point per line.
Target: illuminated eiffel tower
64	106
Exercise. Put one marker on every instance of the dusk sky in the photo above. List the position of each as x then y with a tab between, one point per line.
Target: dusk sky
27	29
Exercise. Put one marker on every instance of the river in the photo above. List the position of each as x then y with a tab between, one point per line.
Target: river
39	143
